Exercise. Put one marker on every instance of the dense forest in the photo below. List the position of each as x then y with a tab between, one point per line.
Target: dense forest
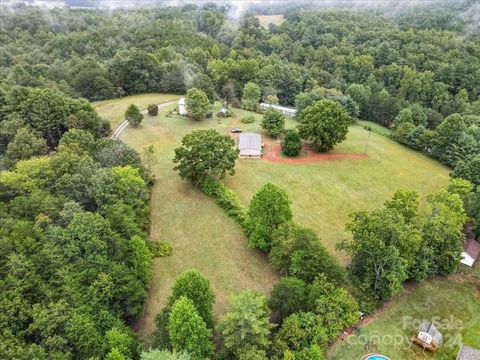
74	211
407	73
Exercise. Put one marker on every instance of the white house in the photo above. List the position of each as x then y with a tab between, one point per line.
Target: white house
182	108
290	112
250	145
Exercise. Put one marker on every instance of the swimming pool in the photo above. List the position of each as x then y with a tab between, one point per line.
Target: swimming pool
377	357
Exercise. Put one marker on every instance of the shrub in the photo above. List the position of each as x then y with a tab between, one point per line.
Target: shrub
160	249
248	119
133	115
152	109
225	198
292	144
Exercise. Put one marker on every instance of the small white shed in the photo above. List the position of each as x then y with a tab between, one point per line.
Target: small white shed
182	107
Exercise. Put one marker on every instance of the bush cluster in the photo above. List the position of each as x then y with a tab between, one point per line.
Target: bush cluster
248	119
225	198
160	249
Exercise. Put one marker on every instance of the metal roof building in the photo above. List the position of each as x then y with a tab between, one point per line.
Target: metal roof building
250	145
290	112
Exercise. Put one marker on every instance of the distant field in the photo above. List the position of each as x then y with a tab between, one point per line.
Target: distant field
323	194
114	110
265	20
453	301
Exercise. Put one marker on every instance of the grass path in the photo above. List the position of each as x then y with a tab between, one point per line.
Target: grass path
202	236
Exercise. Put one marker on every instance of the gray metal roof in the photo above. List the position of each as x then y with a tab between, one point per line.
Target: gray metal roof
429	328
468	353
250	144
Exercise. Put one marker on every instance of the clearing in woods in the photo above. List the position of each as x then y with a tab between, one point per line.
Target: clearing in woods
265	20
323	194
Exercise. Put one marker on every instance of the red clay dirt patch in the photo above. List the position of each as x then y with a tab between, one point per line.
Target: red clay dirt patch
272	153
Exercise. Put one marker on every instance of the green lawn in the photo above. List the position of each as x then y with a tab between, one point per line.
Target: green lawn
323	194
454	302
202	236
114	110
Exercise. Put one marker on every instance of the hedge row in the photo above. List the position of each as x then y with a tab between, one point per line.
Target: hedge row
225	198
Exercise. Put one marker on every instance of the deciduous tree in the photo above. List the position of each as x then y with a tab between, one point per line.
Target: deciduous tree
205	153
133	115
273	122
268	210
188	332
197	103
324	124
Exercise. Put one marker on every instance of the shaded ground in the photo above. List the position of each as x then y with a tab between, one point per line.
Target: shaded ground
273	153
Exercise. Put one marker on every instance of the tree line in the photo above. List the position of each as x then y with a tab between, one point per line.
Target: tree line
74	220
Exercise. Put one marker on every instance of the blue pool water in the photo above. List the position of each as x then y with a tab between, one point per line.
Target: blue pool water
377	357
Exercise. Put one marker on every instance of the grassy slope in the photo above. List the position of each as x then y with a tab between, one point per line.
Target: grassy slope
455	301
202	236
323	195
114	110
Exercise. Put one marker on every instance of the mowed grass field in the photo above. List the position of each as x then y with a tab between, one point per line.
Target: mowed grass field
323	194
114	109
265	20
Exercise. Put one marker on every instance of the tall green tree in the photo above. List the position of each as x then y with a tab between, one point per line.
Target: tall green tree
205	153
468	169
25	145
268	210
246	323
443	221
298	252
195	286
251	95
188	332
273	122
133	115
324	124
197	103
